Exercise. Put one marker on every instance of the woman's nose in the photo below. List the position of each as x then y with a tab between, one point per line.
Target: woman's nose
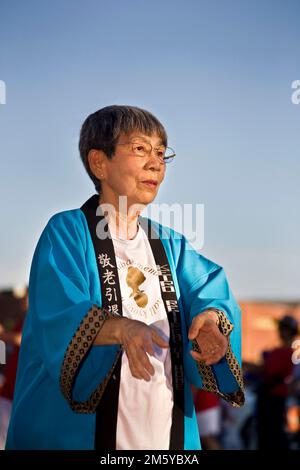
154	162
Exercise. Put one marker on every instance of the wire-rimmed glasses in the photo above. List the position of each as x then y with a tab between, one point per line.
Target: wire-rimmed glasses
143	149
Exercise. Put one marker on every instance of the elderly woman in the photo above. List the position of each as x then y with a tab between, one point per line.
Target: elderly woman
123	313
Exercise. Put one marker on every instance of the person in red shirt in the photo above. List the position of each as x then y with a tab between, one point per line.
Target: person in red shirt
10	371
208	411
276	370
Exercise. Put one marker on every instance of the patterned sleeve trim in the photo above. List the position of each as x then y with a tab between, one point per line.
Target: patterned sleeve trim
80	344
209	383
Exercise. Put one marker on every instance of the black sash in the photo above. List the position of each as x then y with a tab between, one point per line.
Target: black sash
106	416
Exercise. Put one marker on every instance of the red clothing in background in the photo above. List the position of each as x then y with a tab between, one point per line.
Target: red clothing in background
205	400
277	368
10	370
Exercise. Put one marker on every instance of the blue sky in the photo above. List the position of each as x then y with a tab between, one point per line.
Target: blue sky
218	75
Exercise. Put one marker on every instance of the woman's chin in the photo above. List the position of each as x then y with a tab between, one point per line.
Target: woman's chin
147	198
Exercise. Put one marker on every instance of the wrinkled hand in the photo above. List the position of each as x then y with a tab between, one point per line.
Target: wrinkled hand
212	343
138	339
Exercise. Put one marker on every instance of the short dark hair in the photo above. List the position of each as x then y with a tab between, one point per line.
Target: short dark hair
102	129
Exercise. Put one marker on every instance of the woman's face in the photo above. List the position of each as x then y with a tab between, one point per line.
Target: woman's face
126	174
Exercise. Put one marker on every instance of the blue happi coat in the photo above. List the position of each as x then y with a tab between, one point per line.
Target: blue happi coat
64	285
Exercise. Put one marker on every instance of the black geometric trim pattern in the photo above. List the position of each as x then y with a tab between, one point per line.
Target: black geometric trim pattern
209	383
80	344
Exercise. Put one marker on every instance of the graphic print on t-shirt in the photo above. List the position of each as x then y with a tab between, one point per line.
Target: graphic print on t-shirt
134	278
141	295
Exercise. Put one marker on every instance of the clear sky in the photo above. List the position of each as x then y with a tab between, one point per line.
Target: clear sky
218	75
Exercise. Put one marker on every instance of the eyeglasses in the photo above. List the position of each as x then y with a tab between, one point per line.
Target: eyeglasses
144	149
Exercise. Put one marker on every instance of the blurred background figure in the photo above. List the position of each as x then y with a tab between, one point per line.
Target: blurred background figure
12	339
239	425
208	411
293	409
276	372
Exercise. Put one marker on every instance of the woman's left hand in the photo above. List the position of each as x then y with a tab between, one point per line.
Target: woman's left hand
212	343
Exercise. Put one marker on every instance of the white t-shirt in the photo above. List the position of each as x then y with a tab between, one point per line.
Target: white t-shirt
145	408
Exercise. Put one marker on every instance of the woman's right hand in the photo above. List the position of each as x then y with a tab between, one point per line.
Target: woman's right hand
137	339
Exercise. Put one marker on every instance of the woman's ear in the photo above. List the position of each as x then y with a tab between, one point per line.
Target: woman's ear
96	159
